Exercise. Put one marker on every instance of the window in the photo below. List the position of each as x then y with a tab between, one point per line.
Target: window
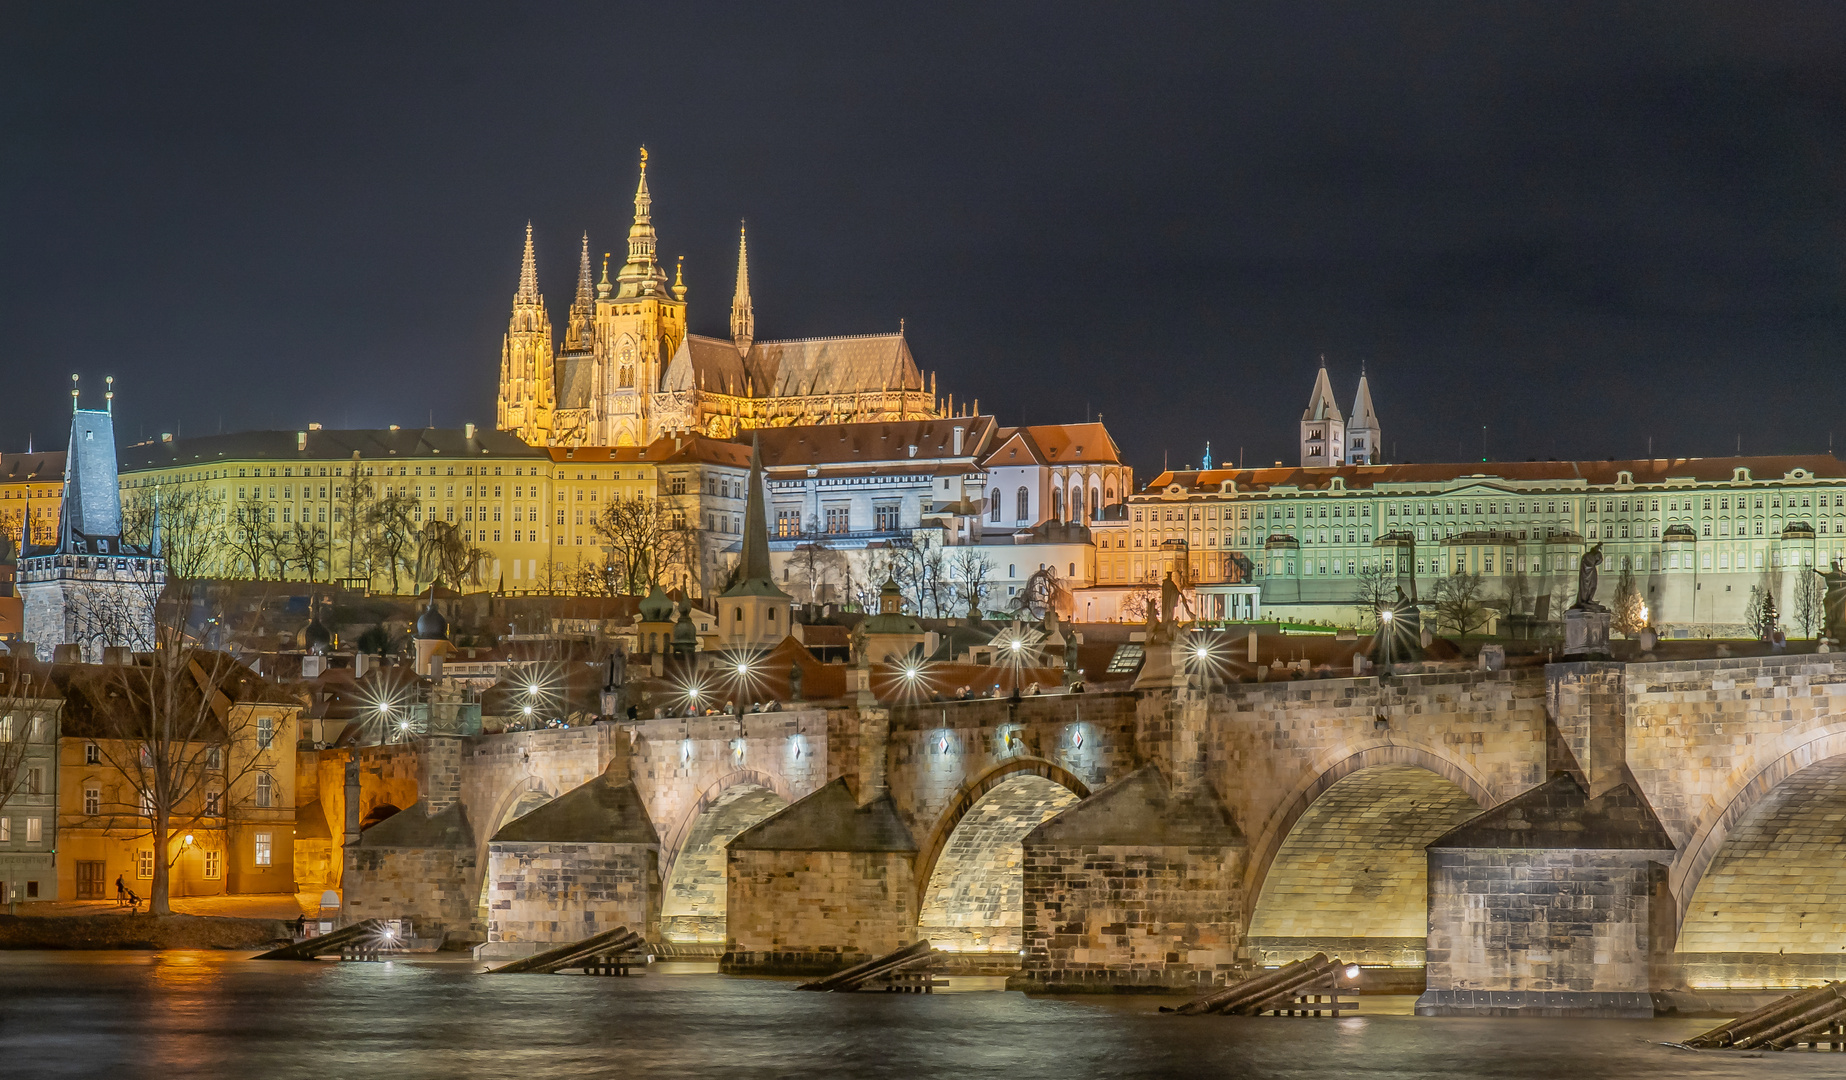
214	804
265	732
993	512
35	781
1025	505
213	759
34	830
211	865
144	864
6	830
788	522
837	519
92	800
265	789
264	844
885	517
147	804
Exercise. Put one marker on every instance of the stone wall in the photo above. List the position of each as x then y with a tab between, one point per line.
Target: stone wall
1540	932
425	885
974	900
693	907
812	912
1115	916
546	894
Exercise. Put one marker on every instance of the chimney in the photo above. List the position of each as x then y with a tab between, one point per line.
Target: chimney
468	432
958	432
301	440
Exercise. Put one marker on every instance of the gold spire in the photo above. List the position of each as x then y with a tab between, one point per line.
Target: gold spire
679	280
743	316
641	274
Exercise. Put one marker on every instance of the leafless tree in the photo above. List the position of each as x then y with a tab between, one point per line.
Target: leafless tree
644	539
817	568
307	547
352	503
1461	603
255	543
972	575
1373	588
1518	593
1808	608
443	554
1043	591
25	699
390	522
191	520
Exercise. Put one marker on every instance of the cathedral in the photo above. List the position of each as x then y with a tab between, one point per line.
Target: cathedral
630	370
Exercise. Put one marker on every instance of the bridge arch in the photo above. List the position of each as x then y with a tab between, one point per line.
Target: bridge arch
693	855
1763	899
1342	866
970	871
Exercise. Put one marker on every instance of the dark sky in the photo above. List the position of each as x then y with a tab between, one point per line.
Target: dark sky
1578	225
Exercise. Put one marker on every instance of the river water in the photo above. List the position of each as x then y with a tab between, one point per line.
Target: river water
187	1014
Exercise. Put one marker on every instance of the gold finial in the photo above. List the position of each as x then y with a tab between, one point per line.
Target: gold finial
679	273
644	159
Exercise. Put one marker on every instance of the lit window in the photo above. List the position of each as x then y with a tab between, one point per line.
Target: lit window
144	864
211	865
92	800
265	732
264	844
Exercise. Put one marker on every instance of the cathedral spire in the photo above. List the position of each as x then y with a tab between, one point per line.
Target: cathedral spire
528	273
743	318
641	275
581	328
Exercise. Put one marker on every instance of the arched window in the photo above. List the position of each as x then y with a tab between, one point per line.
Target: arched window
994	506
1057	504
1095	503
1025	506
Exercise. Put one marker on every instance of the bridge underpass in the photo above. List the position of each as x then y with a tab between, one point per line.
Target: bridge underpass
1352	879
975	899
693	907
1770	911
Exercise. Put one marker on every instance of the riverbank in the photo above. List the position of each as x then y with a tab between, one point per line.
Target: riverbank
139	932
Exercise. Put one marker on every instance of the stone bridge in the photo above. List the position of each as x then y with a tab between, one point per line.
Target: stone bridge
1561	838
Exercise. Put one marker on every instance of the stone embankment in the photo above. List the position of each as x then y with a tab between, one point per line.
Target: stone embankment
139	932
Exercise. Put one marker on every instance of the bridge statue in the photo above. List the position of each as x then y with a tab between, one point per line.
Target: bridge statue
1586	581
1169	599
1834	603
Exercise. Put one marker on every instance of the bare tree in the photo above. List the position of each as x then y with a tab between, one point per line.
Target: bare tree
973	578
307	547
1517	595
25	702
352	504
1043	592
644	539
1461	603
817	568
191	522
254	543
1809	602
1373	588
443	554
391	525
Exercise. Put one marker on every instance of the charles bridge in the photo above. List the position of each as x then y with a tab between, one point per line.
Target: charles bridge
1559	838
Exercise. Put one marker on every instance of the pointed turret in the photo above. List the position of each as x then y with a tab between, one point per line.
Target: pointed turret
578	335
743	318
754	570
1363	435
641	274
1323	427
526	387
528	274
754	613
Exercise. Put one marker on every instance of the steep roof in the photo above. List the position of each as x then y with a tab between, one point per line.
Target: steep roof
322	444
875	441
1321	405
1141	808
41	465
415	828
1362	414
832	365
599	812
754	576
830	820
707	363
1572	473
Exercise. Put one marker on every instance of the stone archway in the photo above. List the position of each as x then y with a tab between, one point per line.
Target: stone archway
971	877
1351	877
1768	908
519	800
694	896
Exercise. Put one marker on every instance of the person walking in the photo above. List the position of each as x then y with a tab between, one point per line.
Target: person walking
301	926
121	891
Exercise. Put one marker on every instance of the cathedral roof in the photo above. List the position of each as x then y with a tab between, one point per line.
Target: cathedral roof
706	363
833	365
1565	474
875	441
1054	444
575	372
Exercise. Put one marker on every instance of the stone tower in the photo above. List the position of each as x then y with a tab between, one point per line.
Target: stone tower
1364	440
639	324
754	613
1323	428
528	393
91	589
743	318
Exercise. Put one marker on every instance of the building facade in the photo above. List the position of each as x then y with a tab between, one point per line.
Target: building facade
30	712
631	372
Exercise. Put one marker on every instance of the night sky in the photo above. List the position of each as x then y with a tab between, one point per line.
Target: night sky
1580	226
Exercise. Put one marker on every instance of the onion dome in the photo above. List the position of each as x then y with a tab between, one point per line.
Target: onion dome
657	607
431	626
317	637
684	633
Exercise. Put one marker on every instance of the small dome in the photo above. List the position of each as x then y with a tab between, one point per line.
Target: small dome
684	632
657	607
431	626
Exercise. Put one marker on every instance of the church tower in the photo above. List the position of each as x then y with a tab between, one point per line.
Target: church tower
1323	429
528	395
743	319
1364	441
640	321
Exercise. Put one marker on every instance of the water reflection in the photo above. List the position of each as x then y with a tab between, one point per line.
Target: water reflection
215	1015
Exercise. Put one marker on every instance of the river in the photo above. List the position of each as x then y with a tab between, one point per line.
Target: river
204	1014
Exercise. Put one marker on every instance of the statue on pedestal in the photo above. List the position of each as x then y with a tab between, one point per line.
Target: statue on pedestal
1586	581
1834	602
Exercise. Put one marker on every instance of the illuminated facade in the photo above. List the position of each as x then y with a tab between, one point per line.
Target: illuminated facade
631	371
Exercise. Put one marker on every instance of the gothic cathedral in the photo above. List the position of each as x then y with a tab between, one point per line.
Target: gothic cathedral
630	371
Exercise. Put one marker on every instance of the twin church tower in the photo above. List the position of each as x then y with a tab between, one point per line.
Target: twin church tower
1330	438
631	371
